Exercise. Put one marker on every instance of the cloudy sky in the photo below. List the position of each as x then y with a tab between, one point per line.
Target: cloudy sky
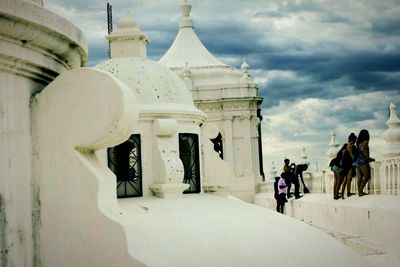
321	65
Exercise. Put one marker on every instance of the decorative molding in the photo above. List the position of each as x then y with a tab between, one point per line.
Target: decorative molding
209	107
236	105
31	26
28	69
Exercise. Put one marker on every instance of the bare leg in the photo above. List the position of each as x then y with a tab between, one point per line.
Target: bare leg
366	172
336	185
359	179
341	185
349	177
346	183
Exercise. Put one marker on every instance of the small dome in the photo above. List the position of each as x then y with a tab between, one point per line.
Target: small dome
156	88
127	22
333	147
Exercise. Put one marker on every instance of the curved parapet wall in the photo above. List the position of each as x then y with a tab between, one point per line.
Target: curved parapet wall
35	47
77	221
36	43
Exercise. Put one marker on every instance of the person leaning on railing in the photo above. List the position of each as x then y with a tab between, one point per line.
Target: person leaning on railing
362	163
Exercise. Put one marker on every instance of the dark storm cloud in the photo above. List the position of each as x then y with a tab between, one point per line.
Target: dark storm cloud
386	26
227	37
329	74
329	68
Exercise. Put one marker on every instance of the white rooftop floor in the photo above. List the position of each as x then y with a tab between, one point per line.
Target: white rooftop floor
207	230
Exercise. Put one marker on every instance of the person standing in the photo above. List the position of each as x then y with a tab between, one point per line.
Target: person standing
276	194
282	192
363	169
338	172
349	156
291	178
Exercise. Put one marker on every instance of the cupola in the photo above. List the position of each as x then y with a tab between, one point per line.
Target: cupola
392	135
127	40
333	147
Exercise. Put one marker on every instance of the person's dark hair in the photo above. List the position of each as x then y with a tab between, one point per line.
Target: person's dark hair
362	136
352	137
339	154
286	161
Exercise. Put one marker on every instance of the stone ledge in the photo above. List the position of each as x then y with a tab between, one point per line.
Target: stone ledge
375	218
38	29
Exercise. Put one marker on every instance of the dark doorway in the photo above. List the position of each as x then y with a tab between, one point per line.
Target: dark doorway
218	147
189	154
125	161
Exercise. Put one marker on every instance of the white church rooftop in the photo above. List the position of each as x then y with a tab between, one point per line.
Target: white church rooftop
157	89
187	47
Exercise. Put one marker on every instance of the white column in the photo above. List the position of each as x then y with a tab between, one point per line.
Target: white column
247	145
228	139
254	141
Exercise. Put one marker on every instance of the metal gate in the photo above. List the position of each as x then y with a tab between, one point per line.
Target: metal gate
189	155
125	161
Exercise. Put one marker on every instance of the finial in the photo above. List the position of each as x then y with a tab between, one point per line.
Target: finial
393	119
127	21
127	40
333	138
245	66
245	69
185	9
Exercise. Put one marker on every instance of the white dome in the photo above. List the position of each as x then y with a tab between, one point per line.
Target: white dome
156	88
187	49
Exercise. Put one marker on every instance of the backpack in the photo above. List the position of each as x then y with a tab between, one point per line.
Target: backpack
333	162
345	160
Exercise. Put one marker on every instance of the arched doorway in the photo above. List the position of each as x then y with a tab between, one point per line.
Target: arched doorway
125	161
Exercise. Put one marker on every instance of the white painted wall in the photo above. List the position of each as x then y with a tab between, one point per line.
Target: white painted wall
82	111
35	47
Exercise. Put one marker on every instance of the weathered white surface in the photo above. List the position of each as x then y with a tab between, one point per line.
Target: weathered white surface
80	223
168	167
217	172
374	218
29	27
165	105
15	170
157	89
230	99
205	230
127	40
35	46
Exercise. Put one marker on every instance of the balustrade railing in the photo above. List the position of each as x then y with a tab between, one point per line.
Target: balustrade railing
385	179
390	176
